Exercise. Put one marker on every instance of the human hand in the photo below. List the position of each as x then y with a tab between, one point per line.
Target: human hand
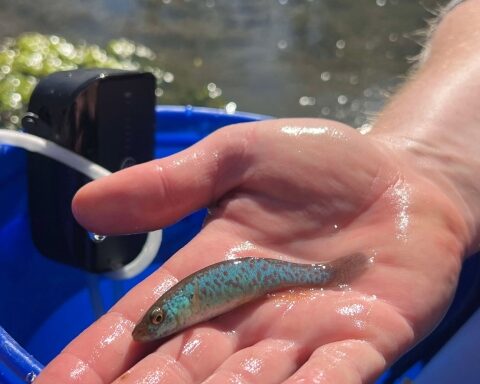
303	190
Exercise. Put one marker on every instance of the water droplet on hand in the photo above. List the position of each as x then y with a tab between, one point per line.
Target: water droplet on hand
96	238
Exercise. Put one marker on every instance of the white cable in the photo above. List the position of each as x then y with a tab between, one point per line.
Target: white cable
49	149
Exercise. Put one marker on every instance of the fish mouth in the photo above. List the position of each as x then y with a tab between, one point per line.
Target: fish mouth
140	333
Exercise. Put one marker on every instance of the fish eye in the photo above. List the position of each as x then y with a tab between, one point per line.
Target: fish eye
156	316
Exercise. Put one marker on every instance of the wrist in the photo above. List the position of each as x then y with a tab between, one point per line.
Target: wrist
434	121
445	176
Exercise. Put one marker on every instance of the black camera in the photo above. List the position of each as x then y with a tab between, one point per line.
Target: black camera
106	116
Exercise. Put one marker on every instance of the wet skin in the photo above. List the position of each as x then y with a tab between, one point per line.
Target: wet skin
305	191
305	195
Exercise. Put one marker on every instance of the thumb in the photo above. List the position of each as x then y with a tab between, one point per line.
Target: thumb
158	193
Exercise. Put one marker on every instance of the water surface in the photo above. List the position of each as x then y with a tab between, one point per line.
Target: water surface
329	58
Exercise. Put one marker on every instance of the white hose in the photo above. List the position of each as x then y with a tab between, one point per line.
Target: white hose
49	149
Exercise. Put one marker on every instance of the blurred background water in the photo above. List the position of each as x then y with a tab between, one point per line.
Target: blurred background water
329	58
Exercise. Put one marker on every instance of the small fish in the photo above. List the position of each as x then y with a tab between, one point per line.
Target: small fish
224	286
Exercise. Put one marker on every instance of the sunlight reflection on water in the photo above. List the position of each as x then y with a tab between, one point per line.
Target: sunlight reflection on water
316	58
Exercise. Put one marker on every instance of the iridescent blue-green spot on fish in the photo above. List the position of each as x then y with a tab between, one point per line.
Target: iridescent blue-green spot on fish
224	286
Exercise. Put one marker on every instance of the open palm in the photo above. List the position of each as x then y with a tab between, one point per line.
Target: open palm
302	190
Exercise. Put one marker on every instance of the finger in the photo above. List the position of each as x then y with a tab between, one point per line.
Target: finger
106	349
156	368
343	362
207	342
269	361
158	193
68	369
331	316
189	357
312	318
233	341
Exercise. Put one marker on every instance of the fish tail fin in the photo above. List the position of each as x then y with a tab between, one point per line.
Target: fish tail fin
347	268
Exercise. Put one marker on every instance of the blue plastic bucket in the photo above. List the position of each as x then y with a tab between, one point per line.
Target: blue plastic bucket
38	315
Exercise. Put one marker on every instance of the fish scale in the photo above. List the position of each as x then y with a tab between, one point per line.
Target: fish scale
224	286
